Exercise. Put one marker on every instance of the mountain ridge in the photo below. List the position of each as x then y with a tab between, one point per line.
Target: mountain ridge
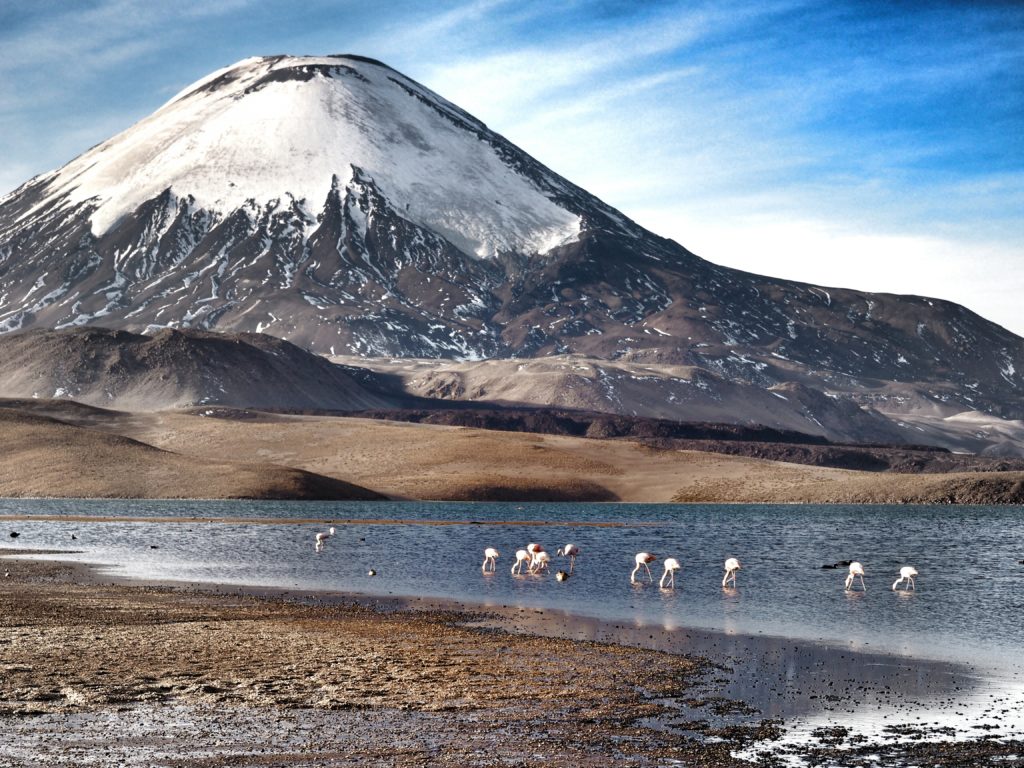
404	248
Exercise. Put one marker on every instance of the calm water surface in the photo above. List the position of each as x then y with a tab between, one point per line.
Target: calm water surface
969	604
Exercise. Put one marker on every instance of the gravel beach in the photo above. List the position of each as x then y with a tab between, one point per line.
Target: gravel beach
116	674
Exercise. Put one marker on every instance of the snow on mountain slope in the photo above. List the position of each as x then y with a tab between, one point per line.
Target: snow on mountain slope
281	128
335	203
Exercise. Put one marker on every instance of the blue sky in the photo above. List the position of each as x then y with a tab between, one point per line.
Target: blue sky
871	145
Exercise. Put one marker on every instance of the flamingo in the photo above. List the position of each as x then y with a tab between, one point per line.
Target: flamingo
856	569
540	562
642	560
907	574
534	549
490	558
323	537
731	566
570	551
671	566
522	556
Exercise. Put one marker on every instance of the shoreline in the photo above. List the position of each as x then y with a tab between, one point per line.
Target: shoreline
705	689
525	500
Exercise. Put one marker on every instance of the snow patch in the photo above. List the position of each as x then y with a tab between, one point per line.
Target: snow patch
263	135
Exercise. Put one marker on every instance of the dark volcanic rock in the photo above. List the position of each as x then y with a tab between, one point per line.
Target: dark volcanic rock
175	368
754	441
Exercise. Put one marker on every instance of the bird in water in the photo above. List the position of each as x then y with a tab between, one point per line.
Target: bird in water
321	539
15	534
534	549
572	552
731	566
371	572
856	569
671	566
643	560
561	575
907	574
540	562
490	559
522	556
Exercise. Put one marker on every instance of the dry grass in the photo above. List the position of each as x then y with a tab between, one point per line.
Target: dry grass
419	461
45	457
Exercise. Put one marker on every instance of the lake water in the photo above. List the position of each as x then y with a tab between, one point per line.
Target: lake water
968	606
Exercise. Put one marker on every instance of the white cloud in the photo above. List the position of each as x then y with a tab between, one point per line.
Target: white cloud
983	275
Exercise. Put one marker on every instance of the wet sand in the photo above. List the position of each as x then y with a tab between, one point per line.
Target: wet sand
116	674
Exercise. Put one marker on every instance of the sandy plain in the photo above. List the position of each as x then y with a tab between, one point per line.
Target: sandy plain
62	449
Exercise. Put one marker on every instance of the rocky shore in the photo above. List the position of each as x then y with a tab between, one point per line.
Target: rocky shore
115	674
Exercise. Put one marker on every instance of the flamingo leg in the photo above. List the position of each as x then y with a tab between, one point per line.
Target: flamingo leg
632	576
572	564
863	588
912	584
649	575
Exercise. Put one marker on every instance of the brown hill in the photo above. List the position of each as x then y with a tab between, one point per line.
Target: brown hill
45	457
94	452
174	368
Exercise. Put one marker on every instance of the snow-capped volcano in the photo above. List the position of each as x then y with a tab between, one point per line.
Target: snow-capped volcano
287	130
335	203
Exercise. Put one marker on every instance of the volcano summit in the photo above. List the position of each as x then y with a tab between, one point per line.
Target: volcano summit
335	203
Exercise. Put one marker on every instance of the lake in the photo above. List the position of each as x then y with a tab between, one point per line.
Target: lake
968	605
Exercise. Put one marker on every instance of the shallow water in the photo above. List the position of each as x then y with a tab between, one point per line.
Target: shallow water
968	606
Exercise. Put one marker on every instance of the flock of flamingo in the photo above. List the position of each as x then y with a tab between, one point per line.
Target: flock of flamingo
536	560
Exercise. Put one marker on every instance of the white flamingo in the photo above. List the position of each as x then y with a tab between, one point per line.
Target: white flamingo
522	556
534	549
642	559
731	566
856	569
570	551
907	574
490	559
671	566
322	537
540	562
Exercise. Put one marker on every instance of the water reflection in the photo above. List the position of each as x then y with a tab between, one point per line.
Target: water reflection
437	551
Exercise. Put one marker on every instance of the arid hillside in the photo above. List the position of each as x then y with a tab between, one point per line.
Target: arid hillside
64	449
44	456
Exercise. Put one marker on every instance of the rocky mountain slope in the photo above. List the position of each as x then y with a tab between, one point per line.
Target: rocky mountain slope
180	368
333	202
